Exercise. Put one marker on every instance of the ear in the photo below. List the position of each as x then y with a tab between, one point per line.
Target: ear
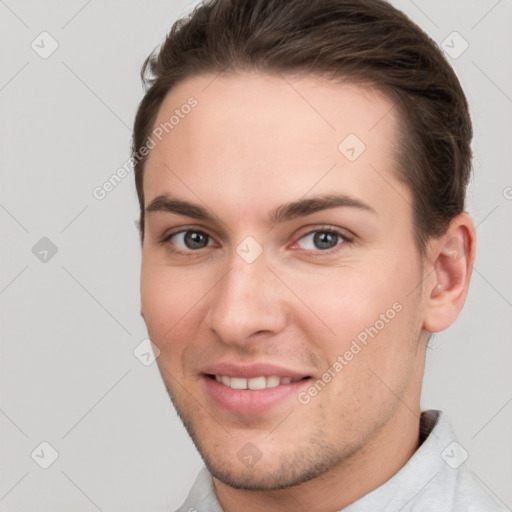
450	263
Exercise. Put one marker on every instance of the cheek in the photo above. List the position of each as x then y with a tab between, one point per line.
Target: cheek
371	304
167	298
348	302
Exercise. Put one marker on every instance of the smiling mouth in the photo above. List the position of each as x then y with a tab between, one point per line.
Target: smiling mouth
254	383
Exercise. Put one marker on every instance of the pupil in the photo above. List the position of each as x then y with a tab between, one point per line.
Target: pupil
195	240
325	240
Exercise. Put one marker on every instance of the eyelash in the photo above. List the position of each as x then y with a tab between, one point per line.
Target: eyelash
327	229
343	239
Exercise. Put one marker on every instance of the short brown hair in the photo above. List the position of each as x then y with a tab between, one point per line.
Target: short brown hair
363	41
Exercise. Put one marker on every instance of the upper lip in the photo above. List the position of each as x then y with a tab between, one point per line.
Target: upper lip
251	371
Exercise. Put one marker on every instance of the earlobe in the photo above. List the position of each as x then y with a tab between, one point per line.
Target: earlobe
452	257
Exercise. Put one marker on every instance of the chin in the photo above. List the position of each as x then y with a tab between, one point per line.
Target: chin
272	471
277	464
261	479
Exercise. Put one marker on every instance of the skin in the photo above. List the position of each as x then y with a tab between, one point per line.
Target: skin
253	143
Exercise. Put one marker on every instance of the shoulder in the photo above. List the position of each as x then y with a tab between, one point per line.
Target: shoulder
454	486
471	495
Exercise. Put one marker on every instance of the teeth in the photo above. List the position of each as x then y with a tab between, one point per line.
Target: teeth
257	383
238	383
254	383
272	382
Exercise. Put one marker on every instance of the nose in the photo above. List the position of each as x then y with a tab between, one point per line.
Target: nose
249	302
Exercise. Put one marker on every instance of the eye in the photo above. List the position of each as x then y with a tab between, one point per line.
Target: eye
188	240
322	239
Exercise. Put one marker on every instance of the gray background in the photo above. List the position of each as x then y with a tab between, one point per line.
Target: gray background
70	324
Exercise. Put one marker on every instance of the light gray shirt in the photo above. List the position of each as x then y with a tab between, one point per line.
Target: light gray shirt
435	479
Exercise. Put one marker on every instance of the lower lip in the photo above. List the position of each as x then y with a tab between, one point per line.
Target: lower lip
248	401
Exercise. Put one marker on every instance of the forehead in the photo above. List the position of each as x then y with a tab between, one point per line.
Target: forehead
256	137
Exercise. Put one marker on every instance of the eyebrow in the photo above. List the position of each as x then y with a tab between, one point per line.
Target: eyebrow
284	213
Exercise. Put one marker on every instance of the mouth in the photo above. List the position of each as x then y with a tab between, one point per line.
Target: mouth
255	383
253	390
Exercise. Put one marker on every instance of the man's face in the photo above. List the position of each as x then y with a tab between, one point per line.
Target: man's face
326	319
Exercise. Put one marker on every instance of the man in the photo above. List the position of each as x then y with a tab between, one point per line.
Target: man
301	169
